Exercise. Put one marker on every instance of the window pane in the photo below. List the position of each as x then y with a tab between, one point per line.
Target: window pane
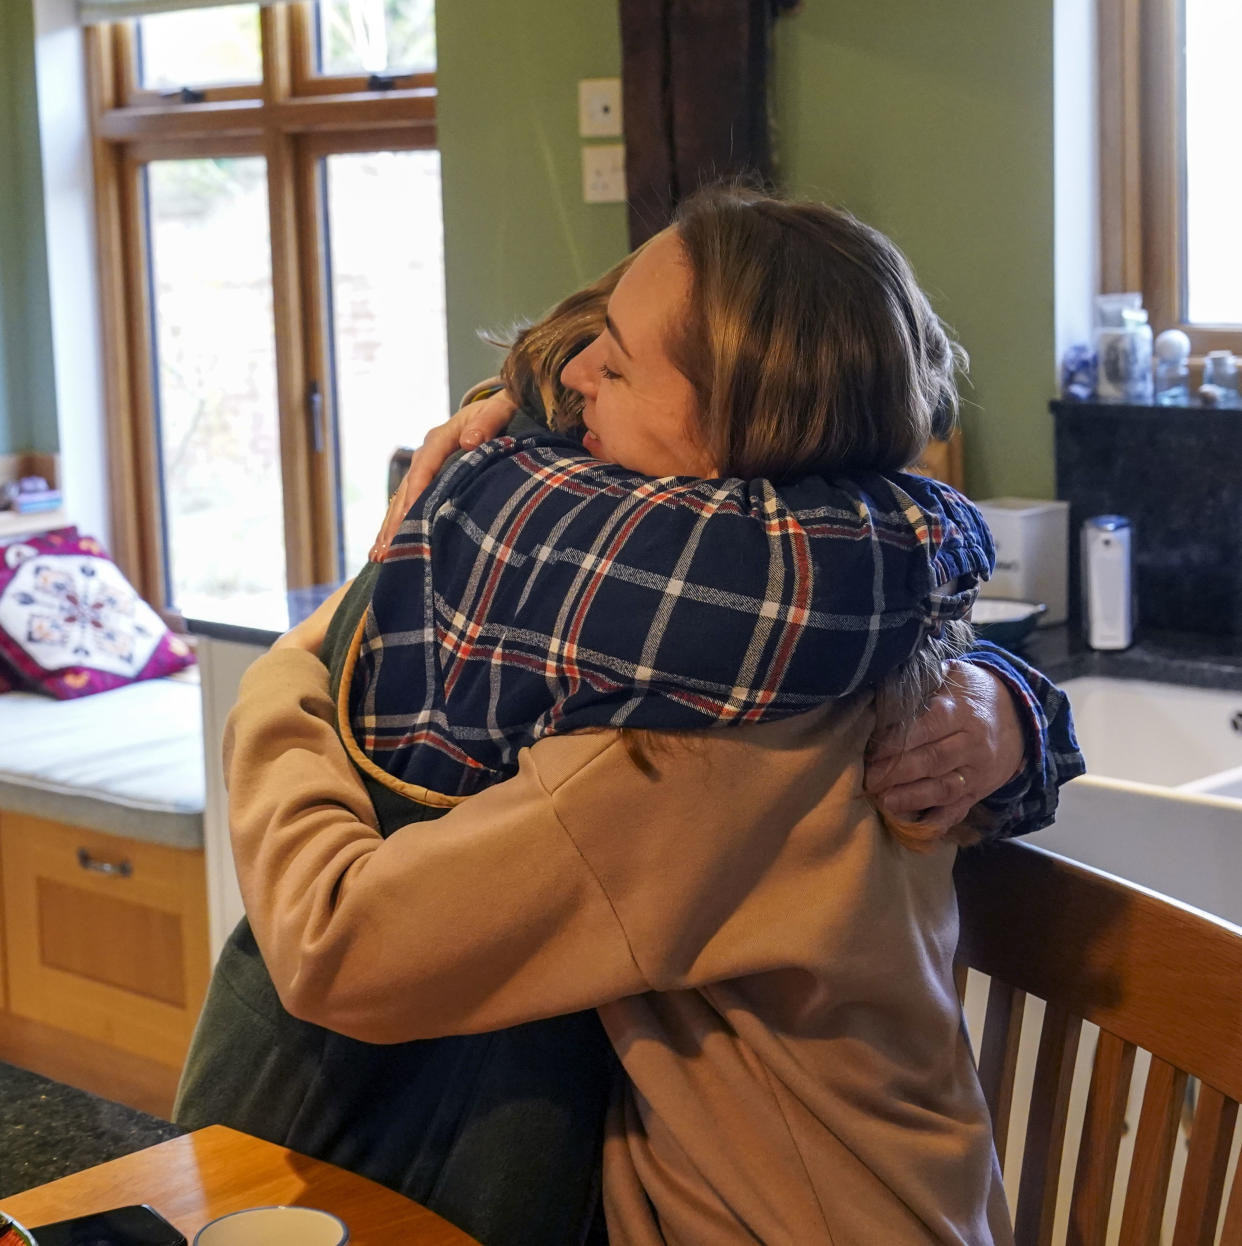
1213	171
216	377
376	36
389	337
199	48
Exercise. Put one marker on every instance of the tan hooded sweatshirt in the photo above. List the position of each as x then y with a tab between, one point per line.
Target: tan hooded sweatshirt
773	969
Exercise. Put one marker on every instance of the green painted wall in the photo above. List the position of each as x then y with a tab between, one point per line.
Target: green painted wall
517	236
934	123
27	388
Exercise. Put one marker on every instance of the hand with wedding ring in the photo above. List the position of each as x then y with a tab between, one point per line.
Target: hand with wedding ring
965	745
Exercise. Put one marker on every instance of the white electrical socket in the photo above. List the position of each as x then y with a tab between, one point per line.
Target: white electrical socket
599	108
603	173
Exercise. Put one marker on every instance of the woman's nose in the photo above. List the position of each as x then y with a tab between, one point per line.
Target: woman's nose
579	375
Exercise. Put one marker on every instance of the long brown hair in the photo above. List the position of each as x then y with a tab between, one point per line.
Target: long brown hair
809	342
531	371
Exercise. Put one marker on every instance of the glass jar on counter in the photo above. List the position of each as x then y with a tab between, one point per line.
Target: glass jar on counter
1125	359
1172	368
1220	378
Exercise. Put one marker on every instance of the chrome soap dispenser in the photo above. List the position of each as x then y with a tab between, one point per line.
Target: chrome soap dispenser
1107	582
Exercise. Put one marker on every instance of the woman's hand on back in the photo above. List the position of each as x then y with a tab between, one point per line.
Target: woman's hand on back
468	429
965	745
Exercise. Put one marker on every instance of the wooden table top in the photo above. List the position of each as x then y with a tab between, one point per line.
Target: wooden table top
205	1174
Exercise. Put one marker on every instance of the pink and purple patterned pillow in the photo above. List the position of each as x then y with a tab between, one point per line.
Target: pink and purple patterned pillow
71	624
9	682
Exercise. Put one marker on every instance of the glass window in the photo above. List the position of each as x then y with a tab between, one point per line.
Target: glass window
389	353
376	36
250	497
199	48
215	365
1213	171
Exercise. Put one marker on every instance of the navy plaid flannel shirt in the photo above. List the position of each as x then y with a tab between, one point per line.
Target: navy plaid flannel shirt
507	526
535	590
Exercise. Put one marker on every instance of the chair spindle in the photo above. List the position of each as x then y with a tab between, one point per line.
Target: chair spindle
998	1056
1102	1129
1153	1154
1211	1137
1045	1133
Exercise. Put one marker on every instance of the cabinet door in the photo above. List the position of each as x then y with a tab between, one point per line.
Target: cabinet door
106	937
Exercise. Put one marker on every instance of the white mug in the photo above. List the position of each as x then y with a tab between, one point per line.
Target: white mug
274	1226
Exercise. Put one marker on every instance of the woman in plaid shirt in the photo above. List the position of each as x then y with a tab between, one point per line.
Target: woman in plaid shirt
485	922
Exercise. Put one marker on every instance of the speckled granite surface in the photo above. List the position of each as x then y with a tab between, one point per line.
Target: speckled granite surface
1163	657
49	1130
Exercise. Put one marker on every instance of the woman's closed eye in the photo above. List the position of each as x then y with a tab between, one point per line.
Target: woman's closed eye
608	374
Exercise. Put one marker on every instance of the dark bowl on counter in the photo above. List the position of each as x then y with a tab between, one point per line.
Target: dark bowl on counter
1006	622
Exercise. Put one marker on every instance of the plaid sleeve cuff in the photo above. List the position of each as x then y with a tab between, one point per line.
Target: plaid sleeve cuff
1028	802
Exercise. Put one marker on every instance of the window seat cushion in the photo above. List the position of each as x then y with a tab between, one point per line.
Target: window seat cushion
128	761
71	625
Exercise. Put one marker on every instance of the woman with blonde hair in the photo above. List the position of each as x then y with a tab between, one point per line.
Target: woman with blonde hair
637	677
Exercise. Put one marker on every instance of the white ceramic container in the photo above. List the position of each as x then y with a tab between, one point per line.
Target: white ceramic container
274	1226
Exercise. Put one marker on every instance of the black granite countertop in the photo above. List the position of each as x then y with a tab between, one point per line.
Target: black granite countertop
49	1130
254	619
1163	657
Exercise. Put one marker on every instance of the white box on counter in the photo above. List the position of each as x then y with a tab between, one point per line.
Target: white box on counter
1032	553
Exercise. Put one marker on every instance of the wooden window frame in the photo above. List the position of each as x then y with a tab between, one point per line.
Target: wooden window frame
1142	165
293	120
304	80
307	80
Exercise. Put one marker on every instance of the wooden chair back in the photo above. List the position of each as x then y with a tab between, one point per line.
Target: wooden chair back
1152	974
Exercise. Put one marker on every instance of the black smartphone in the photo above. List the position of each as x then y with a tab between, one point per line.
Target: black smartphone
136	1225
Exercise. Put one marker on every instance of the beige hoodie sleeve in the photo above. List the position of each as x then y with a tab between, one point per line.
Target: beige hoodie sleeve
477	921
575	883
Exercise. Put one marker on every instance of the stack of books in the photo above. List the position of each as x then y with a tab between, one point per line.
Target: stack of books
32	495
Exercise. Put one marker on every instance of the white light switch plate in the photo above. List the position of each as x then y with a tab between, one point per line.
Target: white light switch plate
603	173
599	108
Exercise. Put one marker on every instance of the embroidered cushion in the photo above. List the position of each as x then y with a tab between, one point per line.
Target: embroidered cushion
71	624
9	681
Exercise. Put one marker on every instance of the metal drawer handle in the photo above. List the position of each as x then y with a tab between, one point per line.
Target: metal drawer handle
120	869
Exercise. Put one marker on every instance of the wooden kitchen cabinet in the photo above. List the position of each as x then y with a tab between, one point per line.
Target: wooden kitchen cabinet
103	936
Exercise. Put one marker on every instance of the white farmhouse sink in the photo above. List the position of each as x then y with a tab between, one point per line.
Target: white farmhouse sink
1161	803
